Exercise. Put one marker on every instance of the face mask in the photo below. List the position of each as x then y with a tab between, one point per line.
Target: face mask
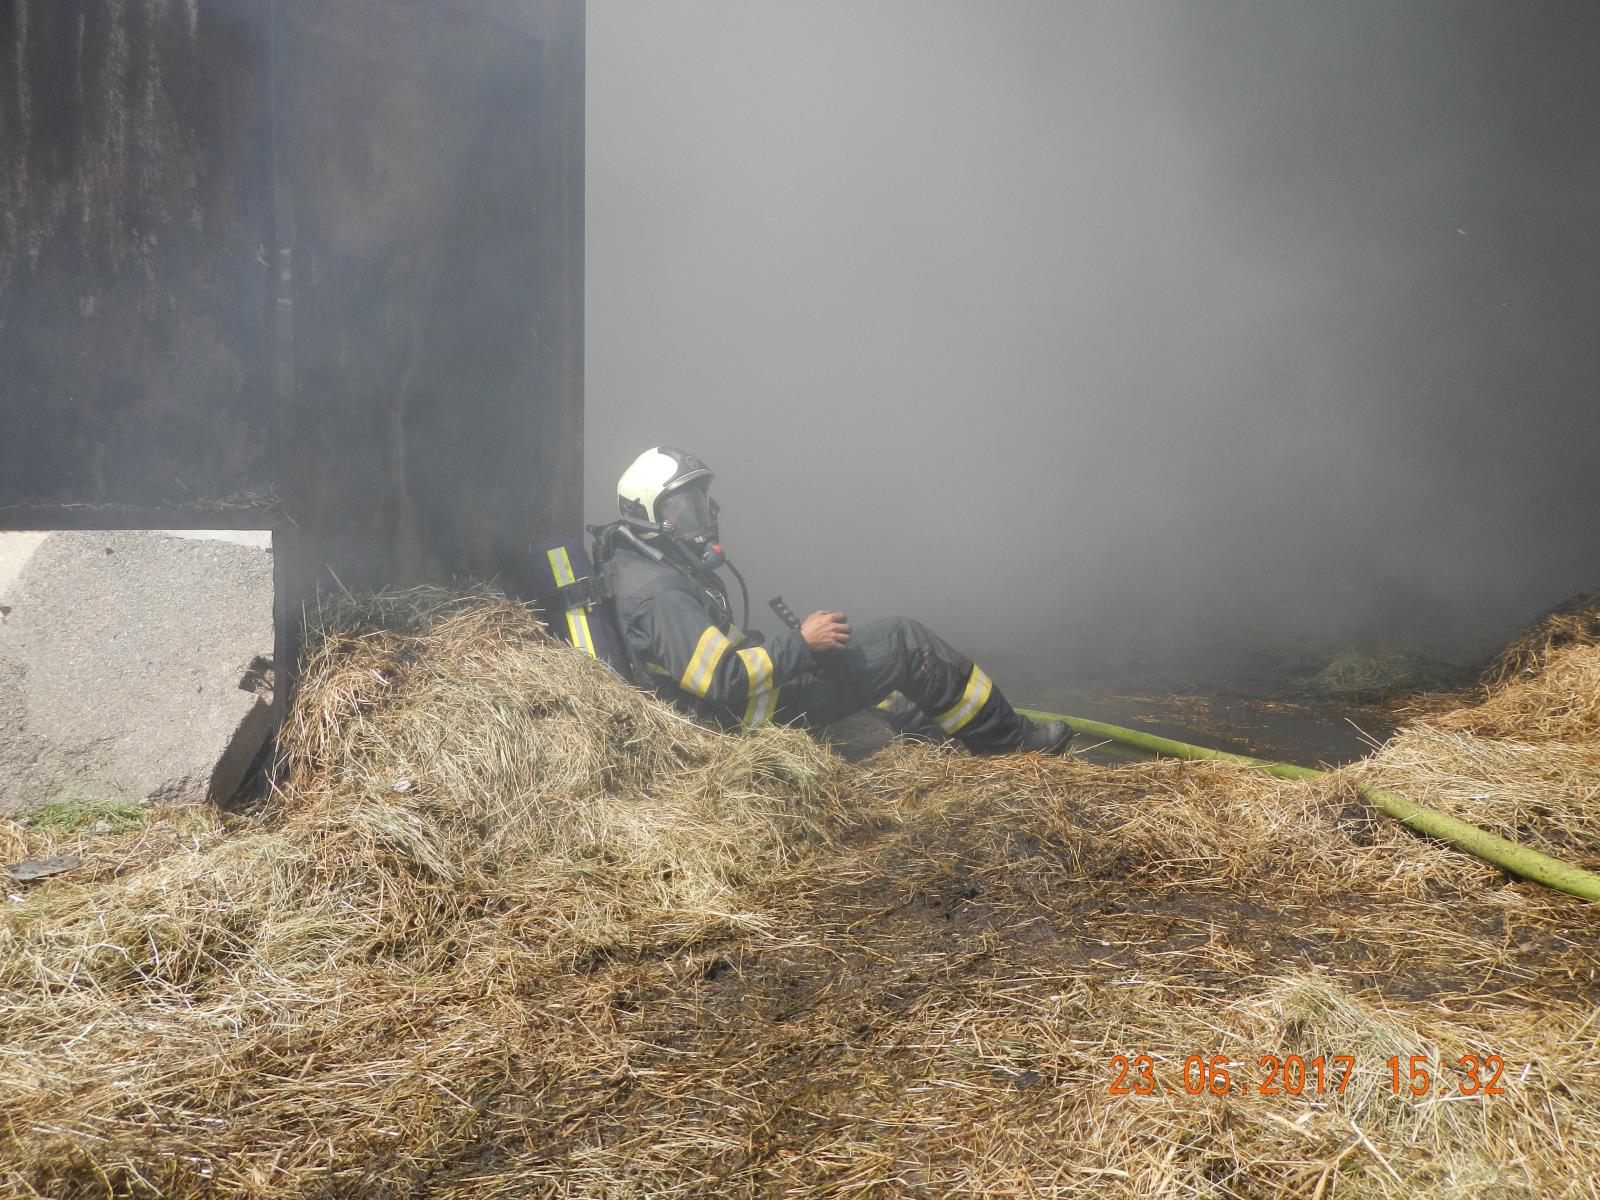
689	516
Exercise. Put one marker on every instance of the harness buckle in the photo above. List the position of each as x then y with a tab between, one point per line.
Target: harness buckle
588	593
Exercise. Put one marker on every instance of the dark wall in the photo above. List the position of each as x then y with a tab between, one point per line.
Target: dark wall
133	291
433	158
307	264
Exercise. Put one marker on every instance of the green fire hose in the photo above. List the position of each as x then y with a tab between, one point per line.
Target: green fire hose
1519	860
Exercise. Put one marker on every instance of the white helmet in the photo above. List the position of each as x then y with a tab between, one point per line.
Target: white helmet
667	492
655	474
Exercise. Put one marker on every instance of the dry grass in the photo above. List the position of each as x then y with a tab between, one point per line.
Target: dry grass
166	829
1575	623
510	928
1542	792
1560	703
13	840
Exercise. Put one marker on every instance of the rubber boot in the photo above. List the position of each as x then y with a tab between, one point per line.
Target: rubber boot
1045	737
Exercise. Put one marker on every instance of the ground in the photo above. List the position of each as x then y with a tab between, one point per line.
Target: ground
512	928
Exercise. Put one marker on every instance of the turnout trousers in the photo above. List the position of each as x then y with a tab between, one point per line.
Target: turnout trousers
913	679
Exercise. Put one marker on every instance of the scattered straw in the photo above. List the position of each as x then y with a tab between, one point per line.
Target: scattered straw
1574	623
510	928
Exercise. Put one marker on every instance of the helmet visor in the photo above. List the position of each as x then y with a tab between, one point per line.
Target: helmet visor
690	513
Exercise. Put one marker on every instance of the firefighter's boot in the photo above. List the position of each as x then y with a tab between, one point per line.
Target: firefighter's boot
1045	737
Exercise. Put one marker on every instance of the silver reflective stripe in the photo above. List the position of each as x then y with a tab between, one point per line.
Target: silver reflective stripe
578	627
702	668
955	718
577	619
561	566
763	697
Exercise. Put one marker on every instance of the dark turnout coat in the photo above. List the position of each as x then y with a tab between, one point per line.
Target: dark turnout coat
680	632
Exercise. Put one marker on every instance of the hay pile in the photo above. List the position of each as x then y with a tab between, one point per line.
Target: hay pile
1375	676
1573	623
1521	756
512	929
329	998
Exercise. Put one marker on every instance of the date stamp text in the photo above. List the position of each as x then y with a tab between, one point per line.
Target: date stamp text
1296	1075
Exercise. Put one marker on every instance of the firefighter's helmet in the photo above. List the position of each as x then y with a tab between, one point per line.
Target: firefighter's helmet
666	491
653	476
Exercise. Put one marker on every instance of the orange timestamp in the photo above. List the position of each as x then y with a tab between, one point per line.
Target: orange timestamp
1297	1075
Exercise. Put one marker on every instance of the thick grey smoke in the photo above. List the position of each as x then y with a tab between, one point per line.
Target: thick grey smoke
1112	330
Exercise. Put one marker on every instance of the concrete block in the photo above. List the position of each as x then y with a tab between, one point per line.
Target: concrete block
126	665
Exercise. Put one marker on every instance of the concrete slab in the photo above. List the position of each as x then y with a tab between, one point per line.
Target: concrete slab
15	551
121	662
261	539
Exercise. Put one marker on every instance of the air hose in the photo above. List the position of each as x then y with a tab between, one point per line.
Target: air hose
1518	860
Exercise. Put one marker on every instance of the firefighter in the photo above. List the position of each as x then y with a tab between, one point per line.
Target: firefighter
678	624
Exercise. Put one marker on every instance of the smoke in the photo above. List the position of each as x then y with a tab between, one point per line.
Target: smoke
1097	331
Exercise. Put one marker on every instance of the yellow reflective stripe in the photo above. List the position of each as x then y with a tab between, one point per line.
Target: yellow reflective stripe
703	662
561	566
976	695
578	627
763	696
577	619
657	668
735	635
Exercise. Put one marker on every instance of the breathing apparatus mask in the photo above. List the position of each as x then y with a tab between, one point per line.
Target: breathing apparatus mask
688	516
